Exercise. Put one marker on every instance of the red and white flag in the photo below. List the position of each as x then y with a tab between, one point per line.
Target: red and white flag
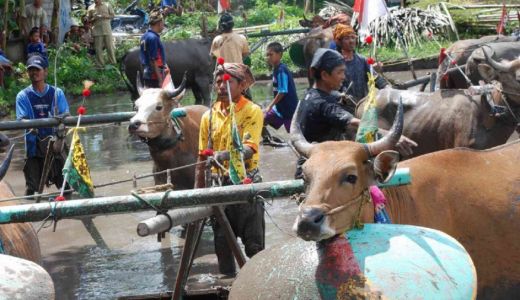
503	19
223	6
367	11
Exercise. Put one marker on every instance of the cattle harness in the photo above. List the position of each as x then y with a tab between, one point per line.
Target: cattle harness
496	110
164	143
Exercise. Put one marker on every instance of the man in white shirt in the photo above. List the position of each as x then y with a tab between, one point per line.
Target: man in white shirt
34	16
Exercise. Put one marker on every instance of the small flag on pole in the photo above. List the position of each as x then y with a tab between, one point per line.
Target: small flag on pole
367	11
503	20
223	6
76	168
237	171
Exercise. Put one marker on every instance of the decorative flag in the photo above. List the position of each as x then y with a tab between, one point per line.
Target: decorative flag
237	171
223	6
367	11
76	168
503	19
367	132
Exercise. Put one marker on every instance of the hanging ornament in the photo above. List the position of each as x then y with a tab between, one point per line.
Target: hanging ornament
370	61
368	39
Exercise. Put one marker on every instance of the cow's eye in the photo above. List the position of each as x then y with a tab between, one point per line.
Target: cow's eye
158	107
349	179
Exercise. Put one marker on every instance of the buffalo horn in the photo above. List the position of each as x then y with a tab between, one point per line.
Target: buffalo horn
298	141
390	140
5	164
172	92
139	84
502	67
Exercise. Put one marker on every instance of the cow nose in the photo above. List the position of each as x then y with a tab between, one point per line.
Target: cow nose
133	126
309	225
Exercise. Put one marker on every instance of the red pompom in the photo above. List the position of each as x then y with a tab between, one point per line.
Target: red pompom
445	77
86	92
220	60
443	51
207	152
226	77
247	180
368	39
82	110
370	61
453	62
59	198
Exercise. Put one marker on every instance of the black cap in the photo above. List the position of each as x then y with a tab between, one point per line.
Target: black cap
326	59
36	61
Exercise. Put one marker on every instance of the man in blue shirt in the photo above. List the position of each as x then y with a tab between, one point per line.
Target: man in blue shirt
152	55
280	111
40	100
357	67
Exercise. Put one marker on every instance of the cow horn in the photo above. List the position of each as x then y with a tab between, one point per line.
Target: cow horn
172	92
502	67
139	84
298	141
5	164
388	142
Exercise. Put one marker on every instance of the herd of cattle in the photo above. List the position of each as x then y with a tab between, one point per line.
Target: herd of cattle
471	194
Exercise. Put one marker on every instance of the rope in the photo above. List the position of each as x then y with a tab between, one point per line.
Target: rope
148	175
257	197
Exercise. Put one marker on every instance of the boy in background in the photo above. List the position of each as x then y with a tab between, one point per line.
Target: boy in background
35	45
281	109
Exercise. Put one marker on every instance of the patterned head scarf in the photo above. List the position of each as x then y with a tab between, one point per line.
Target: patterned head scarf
237	70
342	31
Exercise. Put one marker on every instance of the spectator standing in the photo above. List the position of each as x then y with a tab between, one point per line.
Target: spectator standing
34	16
100	15
280	111
152	54
229	45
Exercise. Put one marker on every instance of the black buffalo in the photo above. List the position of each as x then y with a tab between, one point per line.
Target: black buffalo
190	56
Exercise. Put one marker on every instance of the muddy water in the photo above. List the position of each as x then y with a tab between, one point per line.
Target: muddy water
112	260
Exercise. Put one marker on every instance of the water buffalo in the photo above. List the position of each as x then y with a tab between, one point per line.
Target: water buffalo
460	51
17	239
471	195
189	56
450	118
170	145
497	51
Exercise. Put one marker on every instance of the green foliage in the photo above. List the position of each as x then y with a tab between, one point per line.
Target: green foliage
71	70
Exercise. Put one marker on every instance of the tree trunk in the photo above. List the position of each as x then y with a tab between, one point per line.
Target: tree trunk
5	34
55	27
307	6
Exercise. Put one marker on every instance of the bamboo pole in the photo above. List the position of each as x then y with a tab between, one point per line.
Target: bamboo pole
177	199
70	121
161	223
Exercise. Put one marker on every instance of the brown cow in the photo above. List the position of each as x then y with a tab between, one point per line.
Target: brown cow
168	148
471	195
17	239
451	118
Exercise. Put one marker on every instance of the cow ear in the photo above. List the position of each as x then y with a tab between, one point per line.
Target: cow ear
385	164
487	72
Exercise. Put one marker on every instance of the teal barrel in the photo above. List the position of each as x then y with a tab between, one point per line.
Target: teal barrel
381	260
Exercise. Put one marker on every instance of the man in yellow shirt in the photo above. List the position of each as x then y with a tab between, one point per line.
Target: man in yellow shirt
100	15
247	220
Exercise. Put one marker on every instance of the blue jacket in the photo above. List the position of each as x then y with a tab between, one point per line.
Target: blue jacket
31	104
